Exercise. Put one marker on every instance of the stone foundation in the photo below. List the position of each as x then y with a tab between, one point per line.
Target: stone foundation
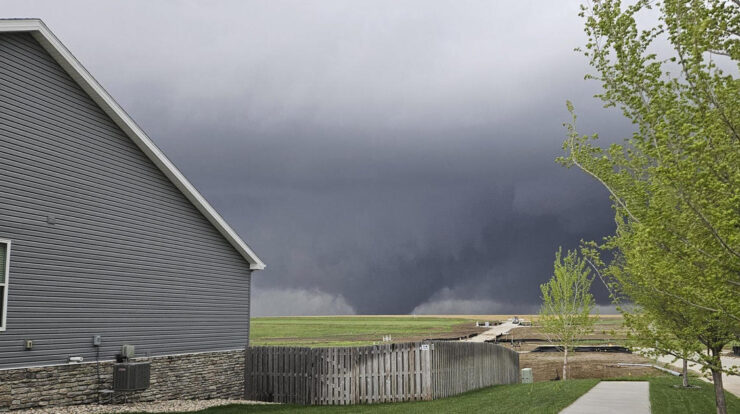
189	376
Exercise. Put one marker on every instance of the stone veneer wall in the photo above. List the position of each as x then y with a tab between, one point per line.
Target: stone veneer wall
188	376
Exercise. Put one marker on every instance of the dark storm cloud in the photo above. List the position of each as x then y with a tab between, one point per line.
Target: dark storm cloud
381	157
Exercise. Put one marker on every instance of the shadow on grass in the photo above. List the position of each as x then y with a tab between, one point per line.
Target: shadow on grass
543	397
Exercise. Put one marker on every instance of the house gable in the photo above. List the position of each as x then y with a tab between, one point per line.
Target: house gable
105	242
98	94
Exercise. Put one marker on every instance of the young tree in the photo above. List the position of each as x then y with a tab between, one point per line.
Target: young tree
664	339
567	303
675	184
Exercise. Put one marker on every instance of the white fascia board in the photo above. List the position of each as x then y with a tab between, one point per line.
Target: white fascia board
74	68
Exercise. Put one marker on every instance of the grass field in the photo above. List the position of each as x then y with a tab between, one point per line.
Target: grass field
665	398
316	331
354	330
543	397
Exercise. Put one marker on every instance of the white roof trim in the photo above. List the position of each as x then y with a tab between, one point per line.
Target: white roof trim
74	68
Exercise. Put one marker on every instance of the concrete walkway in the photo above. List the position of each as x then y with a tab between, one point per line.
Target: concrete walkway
493	333
613	397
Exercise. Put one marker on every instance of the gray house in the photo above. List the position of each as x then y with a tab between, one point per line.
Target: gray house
100	235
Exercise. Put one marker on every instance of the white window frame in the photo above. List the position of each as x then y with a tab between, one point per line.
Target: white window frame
4	299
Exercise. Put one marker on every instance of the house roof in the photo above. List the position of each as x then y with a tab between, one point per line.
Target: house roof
74	68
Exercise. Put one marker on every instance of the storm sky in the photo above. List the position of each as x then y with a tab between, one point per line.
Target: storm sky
381	157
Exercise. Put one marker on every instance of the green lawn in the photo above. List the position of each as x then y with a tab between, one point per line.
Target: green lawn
667	399
542	397
352	330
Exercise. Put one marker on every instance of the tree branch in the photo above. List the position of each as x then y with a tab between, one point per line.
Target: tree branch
706	222
694	304
614	194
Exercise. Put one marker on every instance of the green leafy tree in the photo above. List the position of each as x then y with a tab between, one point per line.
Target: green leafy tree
567	303
657	338
675	183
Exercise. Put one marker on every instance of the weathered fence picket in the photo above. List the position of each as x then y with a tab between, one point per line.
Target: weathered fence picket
373	374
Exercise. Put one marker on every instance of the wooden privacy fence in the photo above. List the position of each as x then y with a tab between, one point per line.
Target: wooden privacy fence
373	374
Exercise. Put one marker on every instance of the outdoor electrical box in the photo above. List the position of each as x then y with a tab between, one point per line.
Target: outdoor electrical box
527	376
127	351
97	340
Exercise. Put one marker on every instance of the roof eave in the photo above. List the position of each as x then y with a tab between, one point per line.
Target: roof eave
74	68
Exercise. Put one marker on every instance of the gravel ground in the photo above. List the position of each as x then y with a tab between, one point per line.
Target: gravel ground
151	407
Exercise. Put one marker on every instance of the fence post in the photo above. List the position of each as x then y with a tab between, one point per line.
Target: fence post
426	372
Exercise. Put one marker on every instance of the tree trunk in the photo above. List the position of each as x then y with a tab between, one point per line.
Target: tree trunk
685	373
565	363
719	390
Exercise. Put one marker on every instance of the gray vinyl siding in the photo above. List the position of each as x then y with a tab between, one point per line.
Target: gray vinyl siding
128	257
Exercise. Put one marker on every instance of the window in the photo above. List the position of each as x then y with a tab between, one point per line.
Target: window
4	266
